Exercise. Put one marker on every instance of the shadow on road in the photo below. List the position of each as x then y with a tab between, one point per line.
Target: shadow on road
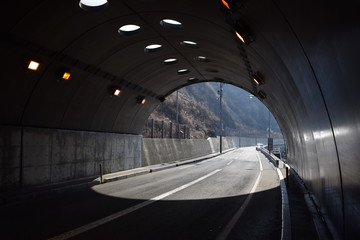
179	219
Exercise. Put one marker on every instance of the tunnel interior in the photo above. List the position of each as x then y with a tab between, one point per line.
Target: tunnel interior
299	58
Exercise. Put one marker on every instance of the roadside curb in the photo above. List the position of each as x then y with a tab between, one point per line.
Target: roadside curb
157	169
285	207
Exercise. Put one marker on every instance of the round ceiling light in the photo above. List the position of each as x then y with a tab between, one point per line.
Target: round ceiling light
170	61
189	44
93	5
183	71
129	29
202	59
169	23
153	48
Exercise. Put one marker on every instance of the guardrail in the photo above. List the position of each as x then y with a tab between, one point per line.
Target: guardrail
320	224
285	209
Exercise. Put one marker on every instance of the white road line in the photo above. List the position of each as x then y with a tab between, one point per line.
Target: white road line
224	234
261	167
186	167
229	162
114	216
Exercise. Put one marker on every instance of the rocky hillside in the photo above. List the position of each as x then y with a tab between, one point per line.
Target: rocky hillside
199	108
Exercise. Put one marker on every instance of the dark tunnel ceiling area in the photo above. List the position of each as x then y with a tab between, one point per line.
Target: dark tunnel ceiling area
300	58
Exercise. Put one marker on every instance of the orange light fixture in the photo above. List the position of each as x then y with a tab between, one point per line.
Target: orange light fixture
257	79
66	76
33	65
225	4
240	37
140	100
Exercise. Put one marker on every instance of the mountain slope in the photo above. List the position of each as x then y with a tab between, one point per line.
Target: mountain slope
199	109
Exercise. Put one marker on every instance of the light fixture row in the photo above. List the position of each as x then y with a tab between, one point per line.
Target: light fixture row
34	65
131	29
245	36
116	92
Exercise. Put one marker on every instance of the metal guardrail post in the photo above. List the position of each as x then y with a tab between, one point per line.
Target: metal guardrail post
287	176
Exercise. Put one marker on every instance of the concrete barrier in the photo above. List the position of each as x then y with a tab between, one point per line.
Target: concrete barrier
165	150
39	156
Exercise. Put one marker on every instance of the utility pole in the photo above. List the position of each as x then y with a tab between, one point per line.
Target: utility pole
270	140
269	123
177	114
221	117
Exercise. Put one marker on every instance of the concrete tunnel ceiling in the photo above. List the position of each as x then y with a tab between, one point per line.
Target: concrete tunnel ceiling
305	54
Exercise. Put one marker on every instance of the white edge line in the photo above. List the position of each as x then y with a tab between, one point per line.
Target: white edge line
224	234
114	216
229	162
261	166
186	167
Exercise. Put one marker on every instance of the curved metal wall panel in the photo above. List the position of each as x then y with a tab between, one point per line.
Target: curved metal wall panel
312	146
331	45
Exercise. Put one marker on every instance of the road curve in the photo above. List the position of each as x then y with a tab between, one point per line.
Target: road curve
232	196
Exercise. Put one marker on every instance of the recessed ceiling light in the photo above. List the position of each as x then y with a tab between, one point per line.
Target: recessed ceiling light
202	59
170	61
183	71
33	65
129	29
93	5
170	23
193	79
153	48
189	44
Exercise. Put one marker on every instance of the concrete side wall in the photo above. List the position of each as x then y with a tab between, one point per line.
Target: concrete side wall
10	156
33	156
163	150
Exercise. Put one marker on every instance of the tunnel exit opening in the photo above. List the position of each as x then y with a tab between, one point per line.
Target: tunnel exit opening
223	114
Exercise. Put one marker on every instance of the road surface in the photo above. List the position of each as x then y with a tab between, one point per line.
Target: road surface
233	196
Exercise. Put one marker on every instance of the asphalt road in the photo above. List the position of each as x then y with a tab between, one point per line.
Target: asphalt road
231	196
